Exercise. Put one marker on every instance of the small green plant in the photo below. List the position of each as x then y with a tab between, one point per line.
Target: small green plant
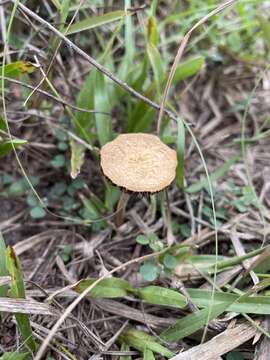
150	270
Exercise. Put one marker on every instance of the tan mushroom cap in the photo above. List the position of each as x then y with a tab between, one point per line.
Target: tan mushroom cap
139	162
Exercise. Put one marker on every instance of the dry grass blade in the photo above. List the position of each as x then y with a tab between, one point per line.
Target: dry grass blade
26	306
220	344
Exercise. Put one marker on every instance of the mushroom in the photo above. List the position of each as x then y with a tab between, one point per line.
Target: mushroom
137	163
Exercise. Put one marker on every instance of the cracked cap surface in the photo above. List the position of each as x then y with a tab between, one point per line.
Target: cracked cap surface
139	162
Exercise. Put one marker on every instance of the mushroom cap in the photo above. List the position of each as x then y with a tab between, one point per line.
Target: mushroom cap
139	162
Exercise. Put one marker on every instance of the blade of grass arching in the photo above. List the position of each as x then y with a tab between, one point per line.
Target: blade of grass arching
141	341
209	183
193	322
180	170
95	21
5	118
217	174
18	291
3	268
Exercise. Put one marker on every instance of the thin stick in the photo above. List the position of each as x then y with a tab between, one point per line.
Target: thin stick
93	62
179	56
63	102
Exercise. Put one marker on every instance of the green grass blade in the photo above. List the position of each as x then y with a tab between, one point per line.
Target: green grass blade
7	146
193	322
3	268
15	356
161	296
77	157
180	170
101	100
148	355
95	21
125	347
250	305
18	291
107	288
85	121
141	341
64	12
217	174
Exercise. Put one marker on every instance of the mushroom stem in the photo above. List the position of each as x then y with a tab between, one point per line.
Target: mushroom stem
121	208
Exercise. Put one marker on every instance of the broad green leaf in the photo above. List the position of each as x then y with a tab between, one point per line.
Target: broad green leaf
107	288
15	356
243	304
6	145
180	170
193	322
102	103
148	355
217	174
158	295
18	68
188	68
77	157
141	341
95	21
18	291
